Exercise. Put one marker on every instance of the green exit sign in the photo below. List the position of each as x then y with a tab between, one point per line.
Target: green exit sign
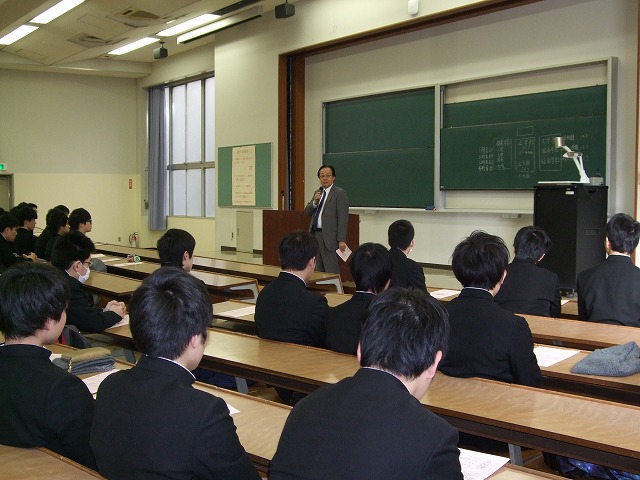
3	167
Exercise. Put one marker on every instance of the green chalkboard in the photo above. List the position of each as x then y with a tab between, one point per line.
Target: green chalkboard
262	176
382	147
507	143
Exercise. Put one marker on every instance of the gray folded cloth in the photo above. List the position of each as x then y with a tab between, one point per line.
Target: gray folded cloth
618	361
89	360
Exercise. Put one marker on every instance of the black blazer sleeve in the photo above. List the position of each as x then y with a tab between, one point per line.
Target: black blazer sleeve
445	460
86	317
524	365
555	307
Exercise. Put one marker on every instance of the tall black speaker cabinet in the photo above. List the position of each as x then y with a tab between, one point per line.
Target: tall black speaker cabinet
575	217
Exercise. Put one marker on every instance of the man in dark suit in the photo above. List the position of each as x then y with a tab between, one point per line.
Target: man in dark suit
371	270
486	340
529	288
285	310
71	253
329	209
149	421
41	405
609	291
406	272
372	425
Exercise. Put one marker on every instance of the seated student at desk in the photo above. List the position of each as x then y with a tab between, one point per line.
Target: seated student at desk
486	340
149	421
372	425
72	255
41	405
371	271
175	249
8	232
25	242
406	272
529	288
608	292
57	224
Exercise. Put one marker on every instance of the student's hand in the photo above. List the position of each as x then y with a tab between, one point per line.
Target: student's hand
32	256
118	307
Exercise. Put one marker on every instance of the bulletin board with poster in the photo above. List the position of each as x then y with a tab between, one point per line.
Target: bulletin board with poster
244	176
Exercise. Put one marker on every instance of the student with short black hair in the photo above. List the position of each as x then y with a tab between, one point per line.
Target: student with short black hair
57	223
529	288
486	340
175	249
406	272
608	292
372	425
371	270
188	433
25	242
41	405
8	233
72	254
80	220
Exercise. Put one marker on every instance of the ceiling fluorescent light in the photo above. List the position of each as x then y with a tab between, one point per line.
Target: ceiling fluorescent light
54	12
188	25
226	22
17	34
143	42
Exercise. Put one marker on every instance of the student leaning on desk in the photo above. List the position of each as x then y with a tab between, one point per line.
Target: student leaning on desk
41	405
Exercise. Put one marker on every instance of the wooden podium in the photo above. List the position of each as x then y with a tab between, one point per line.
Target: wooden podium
277	223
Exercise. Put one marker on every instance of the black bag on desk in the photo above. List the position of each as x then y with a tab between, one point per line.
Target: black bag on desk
89	360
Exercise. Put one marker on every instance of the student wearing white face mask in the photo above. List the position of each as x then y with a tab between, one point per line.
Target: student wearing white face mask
72	253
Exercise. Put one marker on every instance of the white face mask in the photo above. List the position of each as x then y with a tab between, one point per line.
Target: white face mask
85	277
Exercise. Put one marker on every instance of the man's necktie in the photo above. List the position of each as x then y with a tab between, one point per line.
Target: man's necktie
314	227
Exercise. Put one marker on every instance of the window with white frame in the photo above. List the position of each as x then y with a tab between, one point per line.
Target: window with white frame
191	145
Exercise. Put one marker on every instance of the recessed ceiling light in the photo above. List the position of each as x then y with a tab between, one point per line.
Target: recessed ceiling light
17	34
188	25
143	42
54	12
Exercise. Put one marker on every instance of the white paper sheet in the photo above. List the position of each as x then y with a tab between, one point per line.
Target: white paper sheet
127	264
94	381
548	356
478	466
238	312
344	255
444	293
124	321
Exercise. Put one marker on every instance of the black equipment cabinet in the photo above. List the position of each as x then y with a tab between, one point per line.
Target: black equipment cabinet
575	217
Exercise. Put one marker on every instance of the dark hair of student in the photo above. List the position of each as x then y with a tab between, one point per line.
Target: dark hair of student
623	233
8	221
402	332
30	293
531	242
69	248
400	234
26	214
33	205
333	170
296	249
167	310
78	216
56	218
371	267
62	208
480	260
172	245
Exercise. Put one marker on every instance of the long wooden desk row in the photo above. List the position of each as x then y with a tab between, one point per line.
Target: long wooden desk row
262	273
595	430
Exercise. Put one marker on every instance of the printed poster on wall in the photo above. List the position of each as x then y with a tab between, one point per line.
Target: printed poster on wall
243	175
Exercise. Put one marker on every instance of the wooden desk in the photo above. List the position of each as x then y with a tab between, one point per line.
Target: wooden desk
595	430
262	273
217	284
40	464
559	331
113	286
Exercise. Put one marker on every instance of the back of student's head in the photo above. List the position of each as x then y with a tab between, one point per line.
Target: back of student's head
172	245
402	332
623	233
30	293
531	242
480	260
371	267
26	214
69	248
8	221
56	218
78	216
167	310
400	234
296	249
62	208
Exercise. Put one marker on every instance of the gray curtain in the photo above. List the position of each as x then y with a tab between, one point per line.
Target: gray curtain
157	160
